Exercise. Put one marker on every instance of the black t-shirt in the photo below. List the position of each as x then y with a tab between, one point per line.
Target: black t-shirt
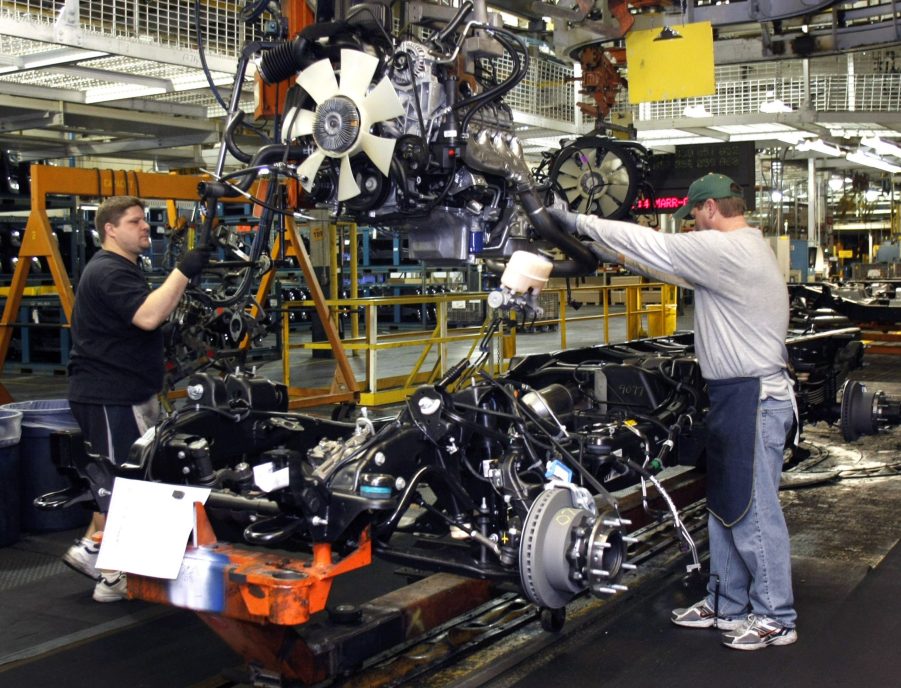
112	360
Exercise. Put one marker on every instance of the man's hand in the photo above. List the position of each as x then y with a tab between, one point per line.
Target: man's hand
193	262
567	221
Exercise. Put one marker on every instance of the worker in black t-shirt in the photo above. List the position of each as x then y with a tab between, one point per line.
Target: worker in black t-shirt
116	364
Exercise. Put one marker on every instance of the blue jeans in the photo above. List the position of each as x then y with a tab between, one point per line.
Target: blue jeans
752	558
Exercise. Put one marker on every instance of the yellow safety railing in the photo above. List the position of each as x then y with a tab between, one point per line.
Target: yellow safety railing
641	320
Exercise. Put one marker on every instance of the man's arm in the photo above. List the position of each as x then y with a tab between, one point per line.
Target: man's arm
160	303
640	249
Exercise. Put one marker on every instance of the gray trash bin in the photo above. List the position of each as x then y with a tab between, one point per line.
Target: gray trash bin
38	474
10	484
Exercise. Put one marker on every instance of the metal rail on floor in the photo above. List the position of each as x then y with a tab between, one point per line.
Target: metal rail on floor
642	319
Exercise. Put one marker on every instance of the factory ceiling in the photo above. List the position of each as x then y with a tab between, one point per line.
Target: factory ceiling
124	79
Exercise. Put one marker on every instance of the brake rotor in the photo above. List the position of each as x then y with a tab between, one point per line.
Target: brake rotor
547	538
857	411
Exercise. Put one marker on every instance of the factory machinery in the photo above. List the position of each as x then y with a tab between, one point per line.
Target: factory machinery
504	482
406	133
494	482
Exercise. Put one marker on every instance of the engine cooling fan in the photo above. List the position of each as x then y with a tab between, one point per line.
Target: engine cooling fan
340	125
598	176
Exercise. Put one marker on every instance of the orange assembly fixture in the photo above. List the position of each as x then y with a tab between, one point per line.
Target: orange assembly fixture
256	586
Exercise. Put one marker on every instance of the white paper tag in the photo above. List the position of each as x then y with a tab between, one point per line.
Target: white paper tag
147	527
267	478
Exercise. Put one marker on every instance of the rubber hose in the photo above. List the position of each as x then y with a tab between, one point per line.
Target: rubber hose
583	261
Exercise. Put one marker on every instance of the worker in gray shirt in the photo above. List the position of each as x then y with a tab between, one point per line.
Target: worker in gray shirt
741	320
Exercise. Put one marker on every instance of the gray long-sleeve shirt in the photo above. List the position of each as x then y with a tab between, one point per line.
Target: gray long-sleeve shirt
741	302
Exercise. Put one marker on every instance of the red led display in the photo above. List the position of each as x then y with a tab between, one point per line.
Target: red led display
670	203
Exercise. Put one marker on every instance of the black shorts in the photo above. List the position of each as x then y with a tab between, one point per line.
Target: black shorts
111	429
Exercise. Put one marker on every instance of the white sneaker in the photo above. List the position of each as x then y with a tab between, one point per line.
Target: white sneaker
111	587
82	557
700	615
760	632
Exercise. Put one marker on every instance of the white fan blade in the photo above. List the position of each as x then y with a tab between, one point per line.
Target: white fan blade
382	102
380	150
617	192
571	168
357	70
309	167
565	181
621	176
319	81
608	206
610	164
573	194
297	124
288	123
347	185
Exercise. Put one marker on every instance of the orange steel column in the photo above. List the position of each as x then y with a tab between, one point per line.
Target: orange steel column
270	98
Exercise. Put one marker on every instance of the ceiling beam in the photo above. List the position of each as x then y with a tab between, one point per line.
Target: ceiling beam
90	40
29	120
115	148
115	77
25	97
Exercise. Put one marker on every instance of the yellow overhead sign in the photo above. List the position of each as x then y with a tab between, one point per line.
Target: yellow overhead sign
672	67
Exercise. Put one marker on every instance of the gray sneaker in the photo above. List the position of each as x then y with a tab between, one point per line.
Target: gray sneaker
758	633
111	587
700	615
82	557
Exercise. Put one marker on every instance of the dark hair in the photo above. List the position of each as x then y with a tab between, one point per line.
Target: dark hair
732	207
112	210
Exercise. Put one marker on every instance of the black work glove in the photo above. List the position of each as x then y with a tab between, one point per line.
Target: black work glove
193	262
566	220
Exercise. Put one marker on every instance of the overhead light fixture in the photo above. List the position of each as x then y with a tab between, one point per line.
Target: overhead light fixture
819	146
667	33
771	107
789	137
836	184
880	146
867	160
696	111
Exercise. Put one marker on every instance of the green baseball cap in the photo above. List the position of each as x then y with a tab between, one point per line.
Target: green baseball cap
711	185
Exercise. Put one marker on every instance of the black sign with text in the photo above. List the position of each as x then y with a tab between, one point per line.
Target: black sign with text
672	173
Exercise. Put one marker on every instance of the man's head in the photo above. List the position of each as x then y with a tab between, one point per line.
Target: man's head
122	226
718	189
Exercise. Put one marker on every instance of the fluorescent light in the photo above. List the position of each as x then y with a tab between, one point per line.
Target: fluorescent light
771	107
862	158
836	184
789	137
105	94
880	146
696	111
819	146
